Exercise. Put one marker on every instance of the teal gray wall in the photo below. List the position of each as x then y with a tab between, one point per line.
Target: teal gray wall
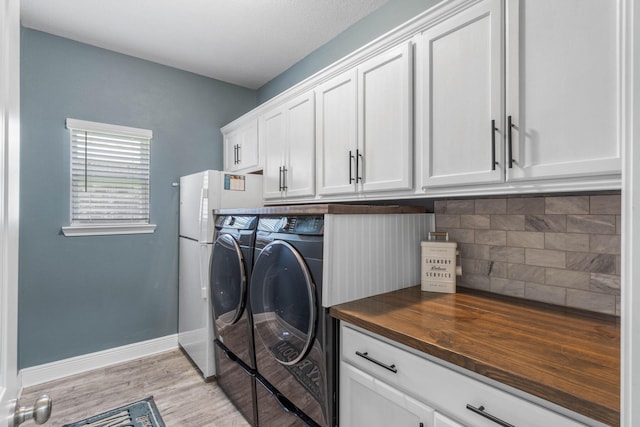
79	295
389	16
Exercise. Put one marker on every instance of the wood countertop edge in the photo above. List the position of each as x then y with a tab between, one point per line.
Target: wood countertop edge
594	410
321	209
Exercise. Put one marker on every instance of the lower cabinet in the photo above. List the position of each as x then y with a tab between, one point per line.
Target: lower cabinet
440	420
380	381
367	401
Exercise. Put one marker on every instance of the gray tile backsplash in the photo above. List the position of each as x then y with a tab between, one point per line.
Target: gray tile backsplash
562	250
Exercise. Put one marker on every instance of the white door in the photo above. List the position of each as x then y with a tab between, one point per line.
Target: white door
272	134
440	420
368	401
337	137
563	93
299	177
9	201
385	114
461	73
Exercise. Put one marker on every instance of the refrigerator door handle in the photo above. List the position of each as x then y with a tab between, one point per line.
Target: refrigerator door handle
203	214
204	276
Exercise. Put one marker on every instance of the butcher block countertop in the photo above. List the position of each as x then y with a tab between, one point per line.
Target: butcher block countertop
565	356
321	209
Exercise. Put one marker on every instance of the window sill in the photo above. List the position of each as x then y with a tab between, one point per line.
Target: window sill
107	230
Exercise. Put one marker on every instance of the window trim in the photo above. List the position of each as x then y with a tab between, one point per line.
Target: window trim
107	229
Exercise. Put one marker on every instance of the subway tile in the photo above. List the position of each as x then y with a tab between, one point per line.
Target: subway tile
558	249
605	244
484	267
491	237
555	223
514	288
507	222
474	266
460	207
491	206
592	301
475	281
605	283
595	224
545	258
593	263
447	221
544	293
460	235
525	239
567	205
567	278
475	221
470	250
567	241
525	205
606	204
498	269
527	273
507	254
440	206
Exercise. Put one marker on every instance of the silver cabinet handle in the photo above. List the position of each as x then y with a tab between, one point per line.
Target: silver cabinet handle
480	411
366	356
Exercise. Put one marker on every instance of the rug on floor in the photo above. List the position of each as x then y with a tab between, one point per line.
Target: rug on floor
143	413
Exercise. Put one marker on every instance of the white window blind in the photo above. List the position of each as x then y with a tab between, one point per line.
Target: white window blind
109	174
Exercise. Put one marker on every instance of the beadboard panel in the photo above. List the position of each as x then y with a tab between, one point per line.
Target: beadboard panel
367	255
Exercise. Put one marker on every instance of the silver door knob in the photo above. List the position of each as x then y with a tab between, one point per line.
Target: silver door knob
39	412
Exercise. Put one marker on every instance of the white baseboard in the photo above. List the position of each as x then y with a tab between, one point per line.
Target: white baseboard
75	365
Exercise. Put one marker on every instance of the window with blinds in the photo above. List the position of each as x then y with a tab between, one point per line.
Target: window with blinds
109	174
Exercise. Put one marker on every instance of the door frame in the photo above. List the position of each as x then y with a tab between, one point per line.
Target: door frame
9	202
630	318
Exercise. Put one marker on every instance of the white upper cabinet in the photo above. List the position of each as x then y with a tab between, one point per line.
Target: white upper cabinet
288	136
241	150
554	113
563	94
385	120
337	134
364	126
460	97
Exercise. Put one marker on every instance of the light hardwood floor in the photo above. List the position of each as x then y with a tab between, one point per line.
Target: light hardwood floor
180	393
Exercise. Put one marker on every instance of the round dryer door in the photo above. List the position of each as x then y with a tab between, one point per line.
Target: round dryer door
283	302
228	281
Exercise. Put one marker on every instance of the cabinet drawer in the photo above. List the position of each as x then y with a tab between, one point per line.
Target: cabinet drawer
444	389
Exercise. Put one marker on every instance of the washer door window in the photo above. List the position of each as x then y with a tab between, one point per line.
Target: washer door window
283	301
228	281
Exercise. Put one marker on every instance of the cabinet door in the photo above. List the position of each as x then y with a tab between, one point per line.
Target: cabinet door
241	148
563	89
460	65
385	136
440	420
272	134
337	125
230	142
367	401
301	140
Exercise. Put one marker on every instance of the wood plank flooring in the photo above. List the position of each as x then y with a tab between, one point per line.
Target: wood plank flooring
182	396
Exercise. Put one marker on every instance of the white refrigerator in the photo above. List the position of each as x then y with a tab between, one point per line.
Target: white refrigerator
200	193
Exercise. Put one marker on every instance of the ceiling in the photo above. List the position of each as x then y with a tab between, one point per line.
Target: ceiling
245	42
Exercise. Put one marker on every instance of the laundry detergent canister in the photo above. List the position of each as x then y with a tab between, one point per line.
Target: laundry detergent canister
438	266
